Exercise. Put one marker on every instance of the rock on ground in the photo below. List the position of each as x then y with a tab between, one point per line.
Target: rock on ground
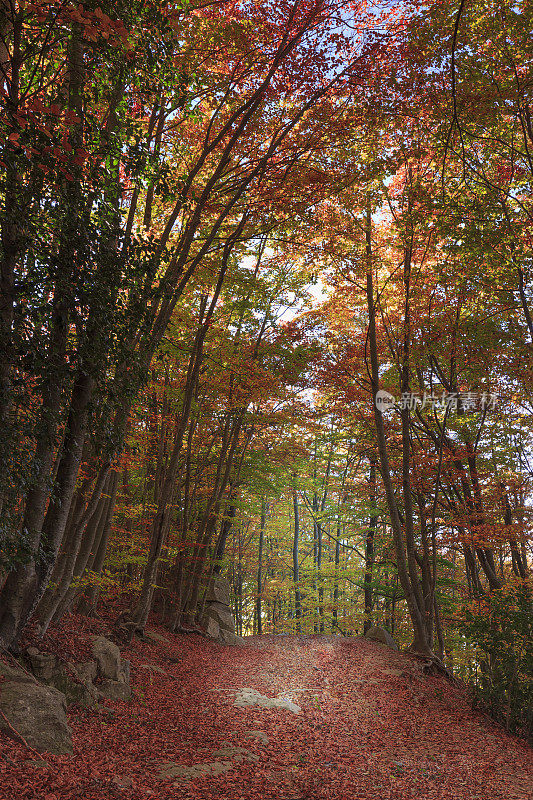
228	637
250	697
10	672
49	669
154	636
377	634
108	658
258	736
153	668
44	665
218	592
225	759
217	619
212	628
87	671
38	714
221	614
115	690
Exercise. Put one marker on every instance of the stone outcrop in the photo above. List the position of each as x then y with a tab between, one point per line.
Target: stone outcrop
218	591
43	665
229	637
212	627
34	712
113	670
87	671
34	704
114	690
156	637
217	619
221	614
12	672
49	669
381	635
107	657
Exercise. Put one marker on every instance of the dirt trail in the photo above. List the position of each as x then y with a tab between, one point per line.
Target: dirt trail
370	725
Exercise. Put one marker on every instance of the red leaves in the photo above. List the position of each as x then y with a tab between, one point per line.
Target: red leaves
372	727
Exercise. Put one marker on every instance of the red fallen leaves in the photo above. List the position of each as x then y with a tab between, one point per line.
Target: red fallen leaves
364	732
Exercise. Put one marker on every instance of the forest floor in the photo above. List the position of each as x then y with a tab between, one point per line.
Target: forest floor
371	725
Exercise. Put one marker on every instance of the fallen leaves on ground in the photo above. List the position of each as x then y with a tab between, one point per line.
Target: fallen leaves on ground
371	726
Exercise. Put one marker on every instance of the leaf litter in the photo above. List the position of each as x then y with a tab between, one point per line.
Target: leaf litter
371	726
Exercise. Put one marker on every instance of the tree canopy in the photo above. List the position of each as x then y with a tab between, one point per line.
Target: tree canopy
265	310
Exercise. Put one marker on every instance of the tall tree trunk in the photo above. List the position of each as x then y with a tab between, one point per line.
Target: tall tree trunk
296	560
75	568
258	602
405	565
336	583
518	565
207	526
26	583
369	549
11	226
225	530
25	586
319	576
96	561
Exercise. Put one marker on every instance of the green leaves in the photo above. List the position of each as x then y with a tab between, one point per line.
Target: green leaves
501	630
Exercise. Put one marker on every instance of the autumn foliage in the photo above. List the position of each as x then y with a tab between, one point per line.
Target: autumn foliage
226	229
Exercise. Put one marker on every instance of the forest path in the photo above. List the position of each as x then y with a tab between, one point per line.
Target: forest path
371	725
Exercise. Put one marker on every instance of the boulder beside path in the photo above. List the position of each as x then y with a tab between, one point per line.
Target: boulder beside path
382	635
217	619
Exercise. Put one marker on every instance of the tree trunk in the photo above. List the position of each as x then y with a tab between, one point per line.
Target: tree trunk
296	560
25	586
96	561
225	530
405	566
369	550
336	583
258	603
